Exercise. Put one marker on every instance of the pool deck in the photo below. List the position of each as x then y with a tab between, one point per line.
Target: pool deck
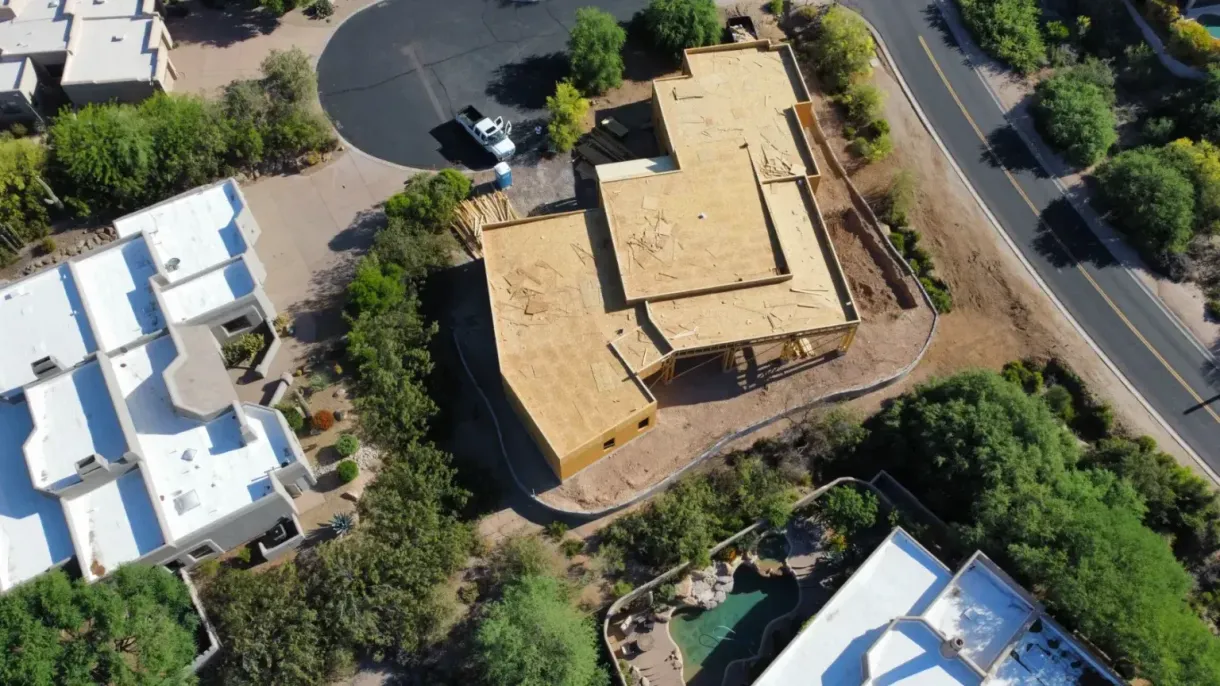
662	664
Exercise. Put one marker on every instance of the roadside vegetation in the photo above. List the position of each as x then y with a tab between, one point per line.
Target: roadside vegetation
896	211
137	626
1009	30
841	53
1075	111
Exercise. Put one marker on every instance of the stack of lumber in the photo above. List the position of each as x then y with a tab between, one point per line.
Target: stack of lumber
473	213
601	147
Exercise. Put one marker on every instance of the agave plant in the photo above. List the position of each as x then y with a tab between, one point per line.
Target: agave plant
342	523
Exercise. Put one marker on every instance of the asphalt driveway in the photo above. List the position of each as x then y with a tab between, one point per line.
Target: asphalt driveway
393	75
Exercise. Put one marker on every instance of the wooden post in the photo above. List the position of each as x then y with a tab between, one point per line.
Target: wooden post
730	358
848	339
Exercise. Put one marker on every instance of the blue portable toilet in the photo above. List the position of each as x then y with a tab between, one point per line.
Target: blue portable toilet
504	175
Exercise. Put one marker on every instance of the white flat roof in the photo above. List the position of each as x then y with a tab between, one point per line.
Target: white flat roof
208	292
200	229
983	610
120	297
909	655
75	418
40	29
43	316
33	534
1046	658
899	578
11	70
116	49
199	472
93	9
114	523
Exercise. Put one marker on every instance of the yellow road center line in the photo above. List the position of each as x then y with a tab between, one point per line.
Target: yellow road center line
1042	223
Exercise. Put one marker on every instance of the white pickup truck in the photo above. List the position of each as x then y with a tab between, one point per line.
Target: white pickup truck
492	134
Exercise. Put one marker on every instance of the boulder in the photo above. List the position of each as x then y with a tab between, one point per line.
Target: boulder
720	596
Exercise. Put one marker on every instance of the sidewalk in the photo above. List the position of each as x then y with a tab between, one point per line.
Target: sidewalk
1182	301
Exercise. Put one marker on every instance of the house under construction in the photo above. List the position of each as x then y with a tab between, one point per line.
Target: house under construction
715	247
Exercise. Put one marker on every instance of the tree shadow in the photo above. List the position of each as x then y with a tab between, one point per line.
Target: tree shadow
221	24
641	60
937	22
526	84
1065	241
1007	150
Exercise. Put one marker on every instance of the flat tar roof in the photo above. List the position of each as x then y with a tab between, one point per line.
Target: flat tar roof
556	306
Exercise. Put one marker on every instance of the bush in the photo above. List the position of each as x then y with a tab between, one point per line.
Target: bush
1159	130
347	445
679	24
595	47
848	510
572	547
775	7
296	420
520	557
1059	399
1190	42
843	49
243	554
1200	162
900	198
567	110
1008	30
875	149
428	201
861	103
47	245
1028	377
1212	309
242	349
22	210
556	530
621	588
347	470
323	420
1150	200
1076	116
322	9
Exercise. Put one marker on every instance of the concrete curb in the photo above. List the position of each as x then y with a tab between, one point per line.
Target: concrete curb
1013	246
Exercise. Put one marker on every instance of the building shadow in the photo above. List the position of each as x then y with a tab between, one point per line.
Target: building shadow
220	24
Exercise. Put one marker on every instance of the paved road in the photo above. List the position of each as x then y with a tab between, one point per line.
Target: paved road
393	75
1161	362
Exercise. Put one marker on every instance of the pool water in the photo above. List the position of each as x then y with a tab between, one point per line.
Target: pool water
711	639
1211	22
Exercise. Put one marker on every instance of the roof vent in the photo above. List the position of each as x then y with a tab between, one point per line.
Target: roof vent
951	647
45	366
189	454
186	502
172	264
117	38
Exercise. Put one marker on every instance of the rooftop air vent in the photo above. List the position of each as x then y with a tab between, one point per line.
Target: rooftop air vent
117	38
188	454
45	366
172	264
951	647
186	502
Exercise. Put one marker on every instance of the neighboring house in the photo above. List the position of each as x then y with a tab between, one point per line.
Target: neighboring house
97	50
121	436
905	618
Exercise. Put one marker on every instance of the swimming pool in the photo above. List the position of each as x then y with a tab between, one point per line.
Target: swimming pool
711	639
1211	22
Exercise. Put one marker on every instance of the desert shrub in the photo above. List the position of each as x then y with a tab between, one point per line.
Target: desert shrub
1190	42
848	510
621	588
679	24
843	49
775	7
323	420
347	470
900	198
1200	162
595	47
1159	130
610	559
1008	30
861	103
1163	12
556	530
1059	399
567	111
938	291
347	445
243	554
47	245
1151	200
428	201
296	420
873	149
572	547
1074	112
242	349
1212	308
322	9
1027	376
519	557
22	210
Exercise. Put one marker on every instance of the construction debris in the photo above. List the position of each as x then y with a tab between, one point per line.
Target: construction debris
473	213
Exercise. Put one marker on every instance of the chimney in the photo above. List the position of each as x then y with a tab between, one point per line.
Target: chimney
951	647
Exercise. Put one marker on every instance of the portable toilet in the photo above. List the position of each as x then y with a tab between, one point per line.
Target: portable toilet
504	175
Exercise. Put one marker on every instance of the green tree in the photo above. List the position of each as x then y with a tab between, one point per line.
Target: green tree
389	352
1150	200
103	157
1076	116
1008	30
22	210
191	140
135	627
843	50
680	525
521	556
533	636
676	25
248	110
848	510
269	632
1200	162
567	110
377	288
596	50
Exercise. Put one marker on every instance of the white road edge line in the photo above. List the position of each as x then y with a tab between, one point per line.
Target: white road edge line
995	224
